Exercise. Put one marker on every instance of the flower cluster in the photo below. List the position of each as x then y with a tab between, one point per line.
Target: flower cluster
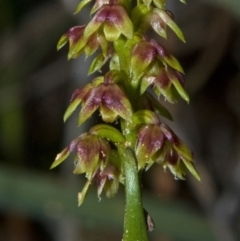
117	34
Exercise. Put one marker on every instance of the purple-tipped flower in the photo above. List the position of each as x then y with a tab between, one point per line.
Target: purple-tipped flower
78	43
92	153
155	66
147	54
158	143
114	21
103	94
159	19
163	80
73	36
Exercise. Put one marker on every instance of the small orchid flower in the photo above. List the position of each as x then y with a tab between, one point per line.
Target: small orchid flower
147	54
79	44
158	143
163	79
103	94
92	153
159	19
114	21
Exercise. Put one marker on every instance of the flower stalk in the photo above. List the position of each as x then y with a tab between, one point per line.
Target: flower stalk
134	220
112	154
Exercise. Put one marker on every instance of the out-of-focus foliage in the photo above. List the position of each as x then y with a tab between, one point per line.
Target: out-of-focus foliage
231	5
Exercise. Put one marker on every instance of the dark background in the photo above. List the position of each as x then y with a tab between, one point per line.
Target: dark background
36	83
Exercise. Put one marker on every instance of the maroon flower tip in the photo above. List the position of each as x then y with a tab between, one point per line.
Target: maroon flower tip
160	49
144	51
169	134
75	33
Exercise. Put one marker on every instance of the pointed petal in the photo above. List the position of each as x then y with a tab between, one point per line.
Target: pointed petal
101	180
82	4
168	20
76	99
76	41
183	151
62	41
173	62
178	85
163	86
73	105
192	169
145	83
104	44
92	45
92	102
60	157
158	25
97	63
82	195
98	4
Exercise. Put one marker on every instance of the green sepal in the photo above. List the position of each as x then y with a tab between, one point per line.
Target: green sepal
97	63
168	20
60	157
82	194
144	117
62	41
145	83
104	44
173	62
180	89
183	150
82	4
191	168
77	49
108	132
73	105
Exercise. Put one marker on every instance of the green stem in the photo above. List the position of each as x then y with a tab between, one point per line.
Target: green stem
134	222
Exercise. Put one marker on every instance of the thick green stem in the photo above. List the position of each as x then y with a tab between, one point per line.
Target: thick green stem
134	222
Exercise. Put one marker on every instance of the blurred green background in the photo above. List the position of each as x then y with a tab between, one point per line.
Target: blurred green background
36	83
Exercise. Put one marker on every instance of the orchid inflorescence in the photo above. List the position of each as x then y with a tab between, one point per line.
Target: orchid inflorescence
141	74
